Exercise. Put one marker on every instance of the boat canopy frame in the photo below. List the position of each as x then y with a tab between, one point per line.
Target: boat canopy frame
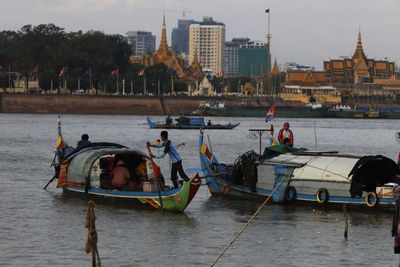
80	166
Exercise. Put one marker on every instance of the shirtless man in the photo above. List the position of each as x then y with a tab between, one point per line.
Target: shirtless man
120	176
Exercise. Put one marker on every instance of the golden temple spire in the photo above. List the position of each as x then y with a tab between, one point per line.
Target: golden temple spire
195	61
359	53
163	49
275	68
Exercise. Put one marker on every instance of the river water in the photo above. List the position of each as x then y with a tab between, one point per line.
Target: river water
46	228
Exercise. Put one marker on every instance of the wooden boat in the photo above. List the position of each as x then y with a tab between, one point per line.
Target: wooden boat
295	175
346	112
282	110
87	171
190	124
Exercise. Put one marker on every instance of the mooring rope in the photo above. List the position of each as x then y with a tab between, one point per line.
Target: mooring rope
91	242
245	226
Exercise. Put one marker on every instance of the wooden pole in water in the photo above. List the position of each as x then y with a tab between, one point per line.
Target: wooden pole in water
91	242
346	222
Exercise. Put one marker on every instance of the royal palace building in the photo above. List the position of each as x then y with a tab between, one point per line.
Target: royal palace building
358	69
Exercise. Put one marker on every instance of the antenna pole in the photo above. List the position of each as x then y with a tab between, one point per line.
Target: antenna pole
315	137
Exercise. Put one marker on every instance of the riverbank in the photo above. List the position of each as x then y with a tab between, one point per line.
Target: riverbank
113	105
176	105
77	104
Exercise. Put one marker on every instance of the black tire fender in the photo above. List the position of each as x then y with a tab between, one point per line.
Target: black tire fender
322	196
290	193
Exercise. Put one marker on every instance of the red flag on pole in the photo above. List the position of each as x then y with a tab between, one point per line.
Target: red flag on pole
270	114
114	72
35	70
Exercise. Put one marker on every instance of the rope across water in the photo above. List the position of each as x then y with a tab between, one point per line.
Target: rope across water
245	226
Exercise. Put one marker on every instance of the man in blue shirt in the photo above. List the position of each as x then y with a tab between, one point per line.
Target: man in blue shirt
176	159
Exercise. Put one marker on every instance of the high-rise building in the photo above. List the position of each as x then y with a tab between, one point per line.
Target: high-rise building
231	56
142	42
253	59
180	36
207	39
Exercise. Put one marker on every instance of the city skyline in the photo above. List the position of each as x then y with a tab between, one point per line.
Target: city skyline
307	32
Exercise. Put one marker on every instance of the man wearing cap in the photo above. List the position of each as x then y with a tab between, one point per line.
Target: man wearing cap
285	135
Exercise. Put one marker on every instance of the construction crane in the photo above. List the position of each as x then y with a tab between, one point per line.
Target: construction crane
183	11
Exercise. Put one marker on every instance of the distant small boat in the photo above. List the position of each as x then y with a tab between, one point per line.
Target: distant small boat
190	123
86	171
289	175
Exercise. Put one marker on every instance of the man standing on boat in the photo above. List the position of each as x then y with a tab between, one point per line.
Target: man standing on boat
176	159
168	120
285	135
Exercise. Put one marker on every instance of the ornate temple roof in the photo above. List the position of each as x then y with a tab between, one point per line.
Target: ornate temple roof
306	78
275	68
166	57
195	68
163	49
359	53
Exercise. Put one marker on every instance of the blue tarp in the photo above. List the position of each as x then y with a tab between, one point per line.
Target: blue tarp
197	121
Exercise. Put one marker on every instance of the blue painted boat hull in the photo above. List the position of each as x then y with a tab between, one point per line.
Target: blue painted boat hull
156	125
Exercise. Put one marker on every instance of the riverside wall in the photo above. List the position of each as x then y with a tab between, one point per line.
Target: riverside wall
78	104
140	105
129	105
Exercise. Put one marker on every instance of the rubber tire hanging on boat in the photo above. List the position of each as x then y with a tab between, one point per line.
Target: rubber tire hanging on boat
320	192
373	203
244	171
290	193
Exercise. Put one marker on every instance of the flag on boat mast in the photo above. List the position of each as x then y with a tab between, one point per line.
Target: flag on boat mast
270	114
61	72
60	141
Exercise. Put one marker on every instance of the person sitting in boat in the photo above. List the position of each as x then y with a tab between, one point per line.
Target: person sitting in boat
84	141
209	123
168	120
285	135
121	176
183	120
176	159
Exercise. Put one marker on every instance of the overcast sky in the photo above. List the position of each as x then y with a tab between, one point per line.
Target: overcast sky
303	31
